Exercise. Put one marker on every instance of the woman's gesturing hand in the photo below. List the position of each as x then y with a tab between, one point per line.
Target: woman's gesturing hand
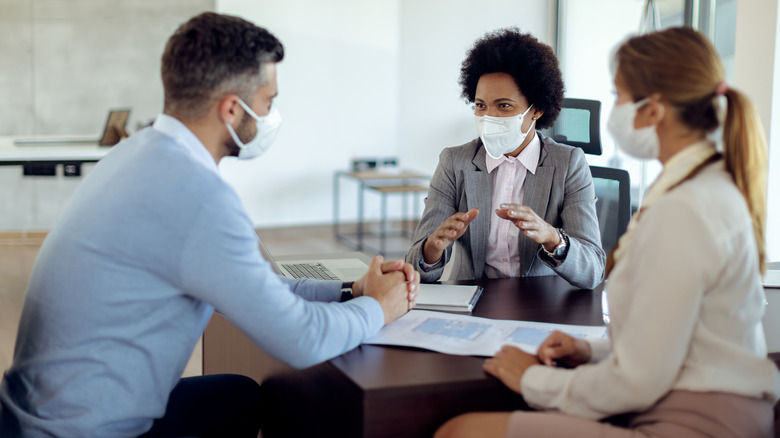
533	226
449	231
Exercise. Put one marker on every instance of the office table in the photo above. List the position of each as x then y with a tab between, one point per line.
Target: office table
378	391
42	158
384	183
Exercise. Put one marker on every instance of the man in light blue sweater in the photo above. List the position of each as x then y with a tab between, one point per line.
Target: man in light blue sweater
152	243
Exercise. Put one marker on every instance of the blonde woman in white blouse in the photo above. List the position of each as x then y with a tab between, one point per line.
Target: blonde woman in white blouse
686	354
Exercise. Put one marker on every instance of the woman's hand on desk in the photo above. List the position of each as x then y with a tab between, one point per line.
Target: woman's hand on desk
509	365
560	348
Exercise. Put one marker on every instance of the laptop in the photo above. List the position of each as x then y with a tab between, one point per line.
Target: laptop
772	277
348	269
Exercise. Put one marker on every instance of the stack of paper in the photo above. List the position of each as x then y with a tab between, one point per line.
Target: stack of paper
448	297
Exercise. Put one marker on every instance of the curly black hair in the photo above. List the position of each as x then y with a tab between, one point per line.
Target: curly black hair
531	63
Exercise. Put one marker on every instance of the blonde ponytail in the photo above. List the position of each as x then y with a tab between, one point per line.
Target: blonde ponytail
745	151
682	65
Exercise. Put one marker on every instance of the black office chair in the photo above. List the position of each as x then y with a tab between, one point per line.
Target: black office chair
613	203
578	125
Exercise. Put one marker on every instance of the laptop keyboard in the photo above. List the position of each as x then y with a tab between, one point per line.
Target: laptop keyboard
309	270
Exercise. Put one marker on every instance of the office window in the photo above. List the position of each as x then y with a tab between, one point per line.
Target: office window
723	33
584	61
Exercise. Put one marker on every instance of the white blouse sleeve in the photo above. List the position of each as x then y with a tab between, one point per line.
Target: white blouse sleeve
655	294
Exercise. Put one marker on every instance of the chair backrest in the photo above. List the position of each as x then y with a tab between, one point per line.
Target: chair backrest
578	125
613	203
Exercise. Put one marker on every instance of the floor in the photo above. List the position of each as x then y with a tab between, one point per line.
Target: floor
18	252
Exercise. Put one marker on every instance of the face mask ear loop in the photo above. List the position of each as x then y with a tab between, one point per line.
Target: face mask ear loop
662	111
232	132
233	135
248	110
533	122
646	100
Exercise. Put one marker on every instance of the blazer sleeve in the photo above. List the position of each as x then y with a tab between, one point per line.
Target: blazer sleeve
440	204
584	263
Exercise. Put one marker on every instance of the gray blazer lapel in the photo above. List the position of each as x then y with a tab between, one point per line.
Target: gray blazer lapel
536	196
479	194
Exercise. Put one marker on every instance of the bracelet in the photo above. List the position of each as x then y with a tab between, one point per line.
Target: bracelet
561	249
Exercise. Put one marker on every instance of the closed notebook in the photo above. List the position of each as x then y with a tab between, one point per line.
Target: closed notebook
448	297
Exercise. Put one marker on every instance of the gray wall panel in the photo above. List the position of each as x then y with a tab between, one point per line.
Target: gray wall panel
16	80
78	58
15	9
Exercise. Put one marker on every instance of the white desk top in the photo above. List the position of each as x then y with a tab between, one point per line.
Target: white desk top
70	149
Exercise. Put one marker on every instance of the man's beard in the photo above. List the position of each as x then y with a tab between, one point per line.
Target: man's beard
244	133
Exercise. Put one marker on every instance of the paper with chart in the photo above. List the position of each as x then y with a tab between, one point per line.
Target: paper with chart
470	335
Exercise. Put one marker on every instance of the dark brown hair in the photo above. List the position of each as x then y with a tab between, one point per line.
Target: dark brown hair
212	55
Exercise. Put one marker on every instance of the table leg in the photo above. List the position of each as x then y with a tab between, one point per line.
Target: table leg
336	177
360	217
404	218
415	213
383	225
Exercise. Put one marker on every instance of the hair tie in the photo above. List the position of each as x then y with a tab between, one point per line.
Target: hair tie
721	88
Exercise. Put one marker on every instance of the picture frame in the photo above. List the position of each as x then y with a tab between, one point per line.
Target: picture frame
115	129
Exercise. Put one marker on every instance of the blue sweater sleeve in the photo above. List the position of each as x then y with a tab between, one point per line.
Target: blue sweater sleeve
314	290
221	265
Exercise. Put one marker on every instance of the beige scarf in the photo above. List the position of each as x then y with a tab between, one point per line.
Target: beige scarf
680	168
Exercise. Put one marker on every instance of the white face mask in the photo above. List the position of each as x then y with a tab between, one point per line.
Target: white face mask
641	143
267	127
502	135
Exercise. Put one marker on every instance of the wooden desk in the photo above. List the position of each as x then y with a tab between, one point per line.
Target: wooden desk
376	391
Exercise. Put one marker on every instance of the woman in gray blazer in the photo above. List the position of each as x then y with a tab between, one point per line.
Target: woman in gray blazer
514	202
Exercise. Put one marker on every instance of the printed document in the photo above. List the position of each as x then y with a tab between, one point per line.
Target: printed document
470	335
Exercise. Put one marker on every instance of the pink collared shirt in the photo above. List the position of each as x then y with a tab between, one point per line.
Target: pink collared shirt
503	251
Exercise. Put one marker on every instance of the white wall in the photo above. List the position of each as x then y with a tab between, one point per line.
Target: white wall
64	65
756	71
359	79
586	61
586	66
338	97
35	202
773	192
435	35
757	74
364	79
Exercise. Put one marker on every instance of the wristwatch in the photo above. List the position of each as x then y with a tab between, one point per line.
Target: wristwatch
560	250
346	291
